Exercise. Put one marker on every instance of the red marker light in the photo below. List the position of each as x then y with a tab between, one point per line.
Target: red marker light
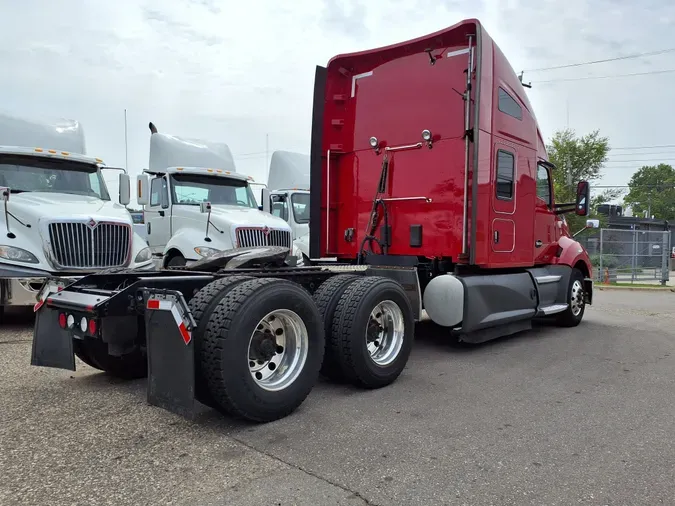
62	320
92	327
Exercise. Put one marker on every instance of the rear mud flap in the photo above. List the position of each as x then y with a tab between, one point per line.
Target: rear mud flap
52	345
171	356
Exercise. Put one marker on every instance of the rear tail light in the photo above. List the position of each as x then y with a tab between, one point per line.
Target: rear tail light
70	321
62	320
92	327
84	324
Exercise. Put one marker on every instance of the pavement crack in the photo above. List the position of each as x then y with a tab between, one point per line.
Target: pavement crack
308	472
14	341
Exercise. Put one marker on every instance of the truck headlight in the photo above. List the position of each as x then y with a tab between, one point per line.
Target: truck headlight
203	251
143	256
17	255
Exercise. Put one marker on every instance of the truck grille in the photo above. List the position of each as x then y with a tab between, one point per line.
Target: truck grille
251	237
77	245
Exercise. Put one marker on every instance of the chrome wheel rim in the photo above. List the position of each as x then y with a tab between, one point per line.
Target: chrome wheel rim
577	297
278	349
385	332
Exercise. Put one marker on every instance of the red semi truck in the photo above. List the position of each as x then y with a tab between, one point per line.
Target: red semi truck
429	183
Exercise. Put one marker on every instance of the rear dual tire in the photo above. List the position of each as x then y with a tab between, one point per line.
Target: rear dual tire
261	344
94	352
369	329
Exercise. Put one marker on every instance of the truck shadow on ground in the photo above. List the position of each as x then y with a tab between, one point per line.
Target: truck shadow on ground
431	340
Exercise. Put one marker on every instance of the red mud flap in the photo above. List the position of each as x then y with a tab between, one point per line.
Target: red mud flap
170	348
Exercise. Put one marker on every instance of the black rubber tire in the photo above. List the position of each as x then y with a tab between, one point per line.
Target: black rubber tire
94	353
201	306
226	343
327	297
567	317
350	321
177	261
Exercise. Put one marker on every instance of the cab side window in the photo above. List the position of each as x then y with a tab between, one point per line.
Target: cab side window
280	207
157	186
543	184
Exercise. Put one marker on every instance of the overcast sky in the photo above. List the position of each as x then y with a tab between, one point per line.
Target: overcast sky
238	71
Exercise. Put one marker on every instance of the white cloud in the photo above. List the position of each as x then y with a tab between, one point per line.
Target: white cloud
236	71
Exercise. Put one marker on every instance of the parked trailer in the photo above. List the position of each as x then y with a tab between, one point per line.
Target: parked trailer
430	200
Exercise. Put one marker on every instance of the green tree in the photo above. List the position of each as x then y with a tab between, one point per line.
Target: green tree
652	189
576	159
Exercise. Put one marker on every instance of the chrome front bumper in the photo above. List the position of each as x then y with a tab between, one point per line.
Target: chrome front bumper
20	291
20	287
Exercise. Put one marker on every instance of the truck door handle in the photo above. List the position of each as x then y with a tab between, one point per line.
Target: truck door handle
496	236
149	227
161	213
538	244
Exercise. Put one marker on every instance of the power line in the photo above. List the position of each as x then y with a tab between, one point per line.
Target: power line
643	160
617	58
615	76
647	147
637	153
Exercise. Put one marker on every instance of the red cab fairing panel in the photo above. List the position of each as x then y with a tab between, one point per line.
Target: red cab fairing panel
393	94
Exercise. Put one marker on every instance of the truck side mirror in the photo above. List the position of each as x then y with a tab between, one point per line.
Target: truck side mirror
583	198
265	198
125	189
205	207
592	223
164	198
143	190
5	193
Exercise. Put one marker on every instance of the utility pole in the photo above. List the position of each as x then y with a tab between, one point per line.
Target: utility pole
267	162
568	113
126	146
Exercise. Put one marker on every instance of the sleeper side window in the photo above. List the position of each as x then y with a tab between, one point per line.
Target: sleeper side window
506	163
508	105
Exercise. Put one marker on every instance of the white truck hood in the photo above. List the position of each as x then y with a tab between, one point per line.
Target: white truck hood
31	206
246	217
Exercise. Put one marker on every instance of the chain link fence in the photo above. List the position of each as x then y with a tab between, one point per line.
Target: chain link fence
630	256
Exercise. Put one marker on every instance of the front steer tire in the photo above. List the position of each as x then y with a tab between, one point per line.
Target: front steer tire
352	326
575	299
201	306
94	353
225	351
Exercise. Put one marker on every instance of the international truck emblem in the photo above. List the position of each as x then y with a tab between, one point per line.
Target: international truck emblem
91	223
266	230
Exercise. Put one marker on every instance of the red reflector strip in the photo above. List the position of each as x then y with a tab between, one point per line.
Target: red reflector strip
167	305
187	337
184	332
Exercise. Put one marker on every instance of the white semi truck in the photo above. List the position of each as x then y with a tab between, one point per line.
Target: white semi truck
57	218
288	182
196	204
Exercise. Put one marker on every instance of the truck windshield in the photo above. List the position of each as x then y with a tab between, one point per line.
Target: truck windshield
22	174
300	202
191	189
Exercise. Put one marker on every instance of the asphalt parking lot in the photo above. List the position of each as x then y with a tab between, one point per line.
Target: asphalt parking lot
551	416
